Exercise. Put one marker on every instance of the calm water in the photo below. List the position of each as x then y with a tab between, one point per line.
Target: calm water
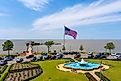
88	66
71	45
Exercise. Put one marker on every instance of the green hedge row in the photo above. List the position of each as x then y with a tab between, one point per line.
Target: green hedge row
5	75
35	76
3	68
90	77
9	71
19	70
103	78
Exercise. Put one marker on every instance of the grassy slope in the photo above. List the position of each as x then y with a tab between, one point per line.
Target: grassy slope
50	73
114	73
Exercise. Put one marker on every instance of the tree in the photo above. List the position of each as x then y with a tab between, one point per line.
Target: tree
106	47
110	46
7	46
81	48
49	44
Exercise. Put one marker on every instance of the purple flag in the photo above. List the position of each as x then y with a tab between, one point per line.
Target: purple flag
70	32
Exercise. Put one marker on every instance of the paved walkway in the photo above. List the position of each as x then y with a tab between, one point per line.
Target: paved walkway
95	76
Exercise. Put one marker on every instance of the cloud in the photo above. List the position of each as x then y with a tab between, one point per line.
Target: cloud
36	5
98	11
3	14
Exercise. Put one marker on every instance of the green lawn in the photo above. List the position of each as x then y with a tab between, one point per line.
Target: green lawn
50	73
114	73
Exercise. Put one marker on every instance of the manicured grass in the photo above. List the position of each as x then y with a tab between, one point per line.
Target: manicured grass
114	73
50	73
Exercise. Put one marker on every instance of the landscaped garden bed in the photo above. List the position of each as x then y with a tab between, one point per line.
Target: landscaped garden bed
23	72
2	68
90	77
24	66
103	78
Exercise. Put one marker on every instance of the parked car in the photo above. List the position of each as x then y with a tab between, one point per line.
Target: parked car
117	56
53	57
113	54
77	56
30	56
66	53
45	57
41	58
58	56
18	60
100	55
3	62
70	53
8	58
33	58
103	56
90	55
1	58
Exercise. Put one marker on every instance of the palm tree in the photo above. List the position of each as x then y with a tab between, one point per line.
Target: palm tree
81	48
49	44
106	48
110	46
7	46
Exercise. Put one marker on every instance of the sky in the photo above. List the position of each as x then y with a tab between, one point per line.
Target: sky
45	19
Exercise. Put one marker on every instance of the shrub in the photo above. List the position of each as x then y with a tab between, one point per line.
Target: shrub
103	78
2	68
23	72
90	77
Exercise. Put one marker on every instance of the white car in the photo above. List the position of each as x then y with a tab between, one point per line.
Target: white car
18	59
113	54
116	55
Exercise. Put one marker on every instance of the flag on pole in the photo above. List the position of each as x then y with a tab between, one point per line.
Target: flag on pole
70	32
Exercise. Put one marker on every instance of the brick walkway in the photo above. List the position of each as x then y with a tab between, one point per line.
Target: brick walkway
95	76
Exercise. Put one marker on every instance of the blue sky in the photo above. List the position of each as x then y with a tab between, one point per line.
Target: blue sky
45	19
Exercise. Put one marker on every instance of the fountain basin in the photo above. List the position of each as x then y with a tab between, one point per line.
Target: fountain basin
82	65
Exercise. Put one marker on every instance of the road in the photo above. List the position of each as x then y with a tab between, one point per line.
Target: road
65	56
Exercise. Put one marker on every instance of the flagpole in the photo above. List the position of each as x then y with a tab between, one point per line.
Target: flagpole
64	39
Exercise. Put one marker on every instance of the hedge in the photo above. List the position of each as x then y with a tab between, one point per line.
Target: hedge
24	69
90	77
3	68
103	78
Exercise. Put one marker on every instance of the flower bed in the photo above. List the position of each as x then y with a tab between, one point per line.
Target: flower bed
19	67
23	72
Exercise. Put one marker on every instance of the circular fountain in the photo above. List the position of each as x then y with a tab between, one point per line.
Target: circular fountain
82	65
